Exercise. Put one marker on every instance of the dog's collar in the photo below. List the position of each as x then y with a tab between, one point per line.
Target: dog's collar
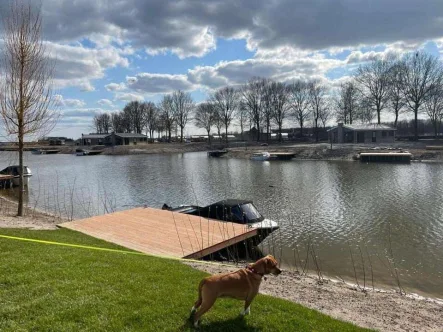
250	268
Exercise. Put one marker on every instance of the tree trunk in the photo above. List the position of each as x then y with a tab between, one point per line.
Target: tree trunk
316	130
181	134
280	138
416	122
301	128
226	134
21	186
378	113
396	119
209	136
258	131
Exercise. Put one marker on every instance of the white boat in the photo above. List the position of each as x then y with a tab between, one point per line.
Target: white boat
261	156
15	171
36	151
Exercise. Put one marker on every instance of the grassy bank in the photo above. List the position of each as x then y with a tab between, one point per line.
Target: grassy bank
53	288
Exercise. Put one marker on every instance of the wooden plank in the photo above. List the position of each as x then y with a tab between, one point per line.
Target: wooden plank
162	232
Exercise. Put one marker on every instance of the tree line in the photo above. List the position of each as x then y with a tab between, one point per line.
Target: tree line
411	83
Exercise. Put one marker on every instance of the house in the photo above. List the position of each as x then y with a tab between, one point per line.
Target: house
54	140
113	139
93	139
362	133
125	139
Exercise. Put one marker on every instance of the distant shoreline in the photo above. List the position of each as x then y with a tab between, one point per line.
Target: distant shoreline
302	151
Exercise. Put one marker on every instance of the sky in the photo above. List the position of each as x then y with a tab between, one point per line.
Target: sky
110	52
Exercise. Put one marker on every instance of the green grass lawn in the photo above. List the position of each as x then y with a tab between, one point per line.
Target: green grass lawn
54	288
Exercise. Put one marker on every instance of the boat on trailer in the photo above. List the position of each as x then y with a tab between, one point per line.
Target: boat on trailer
231	210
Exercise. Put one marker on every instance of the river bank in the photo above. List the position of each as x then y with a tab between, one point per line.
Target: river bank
33	219
384	311
421	150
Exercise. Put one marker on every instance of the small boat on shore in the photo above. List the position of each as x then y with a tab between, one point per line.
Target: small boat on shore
42	151
82	152
15	172
261	156
231	210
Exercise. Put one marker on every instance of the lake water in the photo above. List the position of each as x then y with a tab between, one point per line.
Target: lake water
387	216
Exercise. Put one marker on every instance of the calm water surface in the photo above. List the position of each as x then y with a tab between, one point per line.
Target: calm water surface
342	207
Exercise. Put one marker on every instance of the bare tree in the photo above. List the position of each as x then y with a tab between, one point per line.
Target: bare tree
226	102
373	82
280	105
325	114
151	113
102	123
182	105
252	97
166	107
218	123
243	117
267	106
396	99
347	102
300	102
421	72
134	114
26	99
434	108
366	112
317	100
117	122
205	117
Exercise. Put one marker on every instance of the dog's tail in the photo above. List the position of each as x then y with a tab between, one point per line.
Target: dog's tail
200	286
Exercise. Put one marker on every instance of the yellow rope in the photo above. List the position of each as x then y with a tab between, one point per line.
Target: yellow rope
108	249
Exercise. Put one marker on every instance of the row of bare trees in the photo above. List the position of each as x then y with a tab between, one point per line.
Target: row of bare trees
138	117
262	103
412	83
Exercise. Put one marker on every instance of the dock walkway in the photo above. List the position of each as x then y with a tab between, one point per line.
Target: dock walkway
161	232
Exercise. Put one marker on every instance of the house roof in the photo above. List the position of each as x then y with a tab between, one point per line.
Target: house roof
365	127
129	135
94	136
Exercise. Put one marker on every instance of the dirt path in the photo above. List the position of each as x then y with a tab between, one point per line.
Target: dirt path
384	311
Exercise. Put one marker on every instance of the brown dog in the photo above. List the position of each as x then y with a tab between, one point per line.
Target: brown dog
242	285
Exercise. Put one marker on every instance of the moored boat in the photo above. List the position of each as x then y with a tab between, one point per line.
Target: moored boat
15	172
82	152
261	156
231	210
36	151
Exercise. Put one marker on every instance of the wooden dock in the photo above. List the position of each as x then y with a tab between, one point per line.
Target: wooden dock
6	181
282	155
389	157
161	232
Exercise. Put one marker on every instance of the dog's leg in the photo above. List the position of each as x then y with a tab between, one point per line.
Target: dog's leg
207	303
247	311
198	303
248	302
